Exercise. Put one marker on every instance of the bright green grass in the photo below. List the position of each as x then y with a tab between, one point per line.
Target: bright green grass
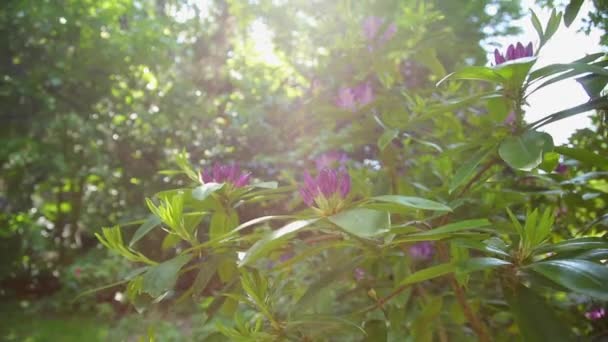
16	325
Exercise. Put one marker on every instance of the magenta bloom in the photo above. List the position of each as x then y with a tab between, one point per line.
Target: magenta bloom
329	186
331	159
371	29
225	174
390	32
422	250
595	314
510	120
346	99
356	97
561	168
371	26
359	274
513	52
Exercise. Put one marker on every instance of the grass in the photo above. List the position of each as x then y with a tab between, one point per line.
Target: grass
19	325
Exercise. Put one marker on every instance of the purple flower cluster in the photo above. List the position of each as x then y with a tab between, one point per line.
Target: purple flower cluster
331	159
328	184
359	274
561	169
356	97
513	52
371	30
221	173
596	314
422	250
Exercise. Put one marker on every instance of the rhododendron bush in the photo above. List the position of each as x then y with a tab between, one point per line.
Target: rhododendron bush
408	199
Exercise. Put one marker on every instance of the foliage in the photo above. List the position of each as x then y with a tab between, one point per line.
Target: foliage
388	199
342	261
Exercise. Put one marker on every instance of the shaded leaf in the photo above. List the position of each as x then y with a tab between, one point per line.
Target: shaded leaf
572	11
275	238
162	277
151	222
413	202
203	191
535	320
525	152
362	222
455	227
581	276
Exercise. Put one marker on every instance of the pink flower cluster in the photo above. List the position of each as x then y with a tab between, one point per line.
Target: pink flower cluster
513	52
225	174
354	98
329	183
371	30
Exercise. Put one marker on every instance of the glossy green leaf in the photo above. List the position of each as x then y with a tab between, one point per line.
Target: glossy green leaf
581	276
151	222
579	244
272	240
162	277
536	321
525	152
601	102
362	222
478	264
428	273
413	202
203	191
455	227
479	73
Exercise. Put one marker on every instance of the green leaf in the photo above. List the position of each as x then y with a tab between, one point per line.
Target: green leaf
552	25
455	227
387	137
583	155
575	69
572	11
466	170
579	244
581	276
593	84
202	192
550	162
151	222
581	64
535	320
376	331
525	152
266	185
537	25
601	102
478	264
413	202
428	273
362	222
479	73
514	72
272	240
162	277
